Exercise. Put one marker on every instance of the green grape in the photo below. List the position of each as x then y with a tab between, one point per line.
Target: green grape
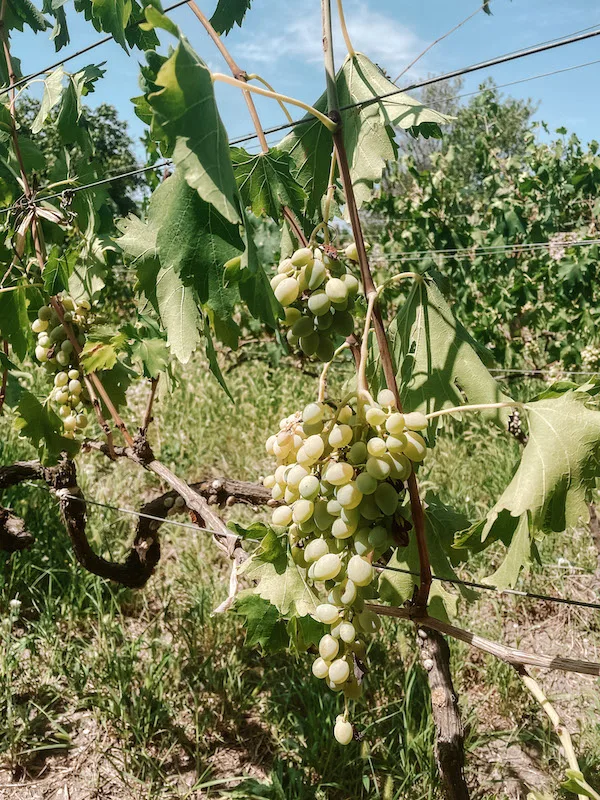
378	537
329	647
351	252
395	423
292	315
323	519
315	550
310	343
349	593
347	632
286	267
360	571
369	508
325	321
340	436
327	567
303	326
45	313
64	412
314	446
61	379
351	283
416	421
319	303
386	498
302	257
338	473
386	398
309	487
82	421
366	483
313	413
316	275
376	447
39	325
362	545
358	453
343	323
336	290
369	622
342	529
378	468
287	291
415	448
67	347
349	496
303	510
325	349
41	353
375	416
282	516
70	422
292	339
396	443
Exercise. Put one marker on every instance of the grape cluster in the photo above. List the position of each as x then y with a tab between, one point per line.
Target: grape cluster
56	353
340	479
317	291
590	357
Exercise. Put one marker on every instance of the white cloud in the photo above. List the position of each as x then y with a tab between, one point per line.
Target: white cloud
385	40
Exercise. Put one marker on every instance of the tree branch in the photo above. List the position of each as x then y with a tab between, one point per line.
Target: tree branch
13	535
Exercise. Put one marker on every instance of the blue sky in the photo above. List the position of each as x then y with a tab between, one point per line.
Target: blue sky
286	50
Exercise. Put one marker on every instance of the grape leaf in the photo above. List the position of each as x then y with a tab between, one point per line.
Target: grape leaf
24	11
551	485
213	362
178	312
441	522
436	360
265	181
577	784
52	94
153	354
58	270
14	323
42	427
112	16
186	112
97	356
228	13
263	623
280	581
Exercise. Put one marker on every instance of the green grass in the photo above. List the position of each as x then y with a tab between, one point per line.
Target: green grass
173	703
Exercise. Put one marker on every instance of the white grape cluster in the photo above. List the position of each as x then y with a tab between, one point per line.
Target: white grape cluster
590	358
340	478
317	292
56	352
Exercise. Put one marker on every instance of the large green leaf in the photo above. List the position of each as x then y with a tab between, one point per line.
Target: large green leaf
279	580
42	427
552	484
112	16
186	112
229	13
441	523
52	95
263	623
438	364
265	181
14	323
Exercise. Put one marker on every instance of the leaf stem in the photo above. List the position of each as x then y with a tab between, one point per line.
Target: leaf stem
474	407
23	286
369	288
329	195
345	34
397	278
255	77
325	370
218	76
363	387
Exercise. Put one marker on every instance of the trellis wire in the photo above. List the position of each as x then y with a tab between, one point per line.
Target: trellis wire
455	581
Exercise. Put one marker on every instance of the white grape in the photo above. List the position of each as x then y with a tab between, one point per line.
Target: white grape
327	567
282	516
328	647
343	731
360	571
320	668
327	613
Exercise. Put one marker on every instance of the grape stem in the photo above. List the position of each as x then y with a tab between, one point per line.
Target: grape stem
345	34
563	734
369	287
400	277
24	287
475	407
325	370
328	123
255	77
329	195
241	75
363	386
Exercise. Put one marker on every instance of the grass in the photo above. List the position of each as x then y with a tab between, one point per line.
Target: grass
147	695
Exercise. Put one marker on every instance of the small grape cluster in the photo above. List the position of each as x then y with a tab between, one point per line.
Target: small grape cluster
590	358
56	352
317	291
340	478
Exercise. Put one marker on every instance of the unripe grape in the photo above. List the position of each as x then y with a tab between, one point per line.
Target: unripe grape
334	507
70	422
287	291
386	398
303	326
312	413
340	436
280	473
378	468
319	303
291	315
362	545
378	537
415	448
57	334
349	495
323	519
351	283
345	415
369	622
415	421
342	529
366	483
290	496
349	593
325	349
64	412
314	446
347	632
61	379
327	567
324	322
309	487
315	550
329	615
351	252
45	313
343	323
328	646
302	257
68	303
310	343
396	443
320	668
339	671
68	316
395	423
376	447
291	338
62	358
343	731
39	325
269	444
85	305
386	498
66	347
62	397
286	267
375	416
302	280
44	340
358	453
338	473
316	275
336	290
369	508
303	510
282	516
360	571
75	386
41	353
277	492
82	421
